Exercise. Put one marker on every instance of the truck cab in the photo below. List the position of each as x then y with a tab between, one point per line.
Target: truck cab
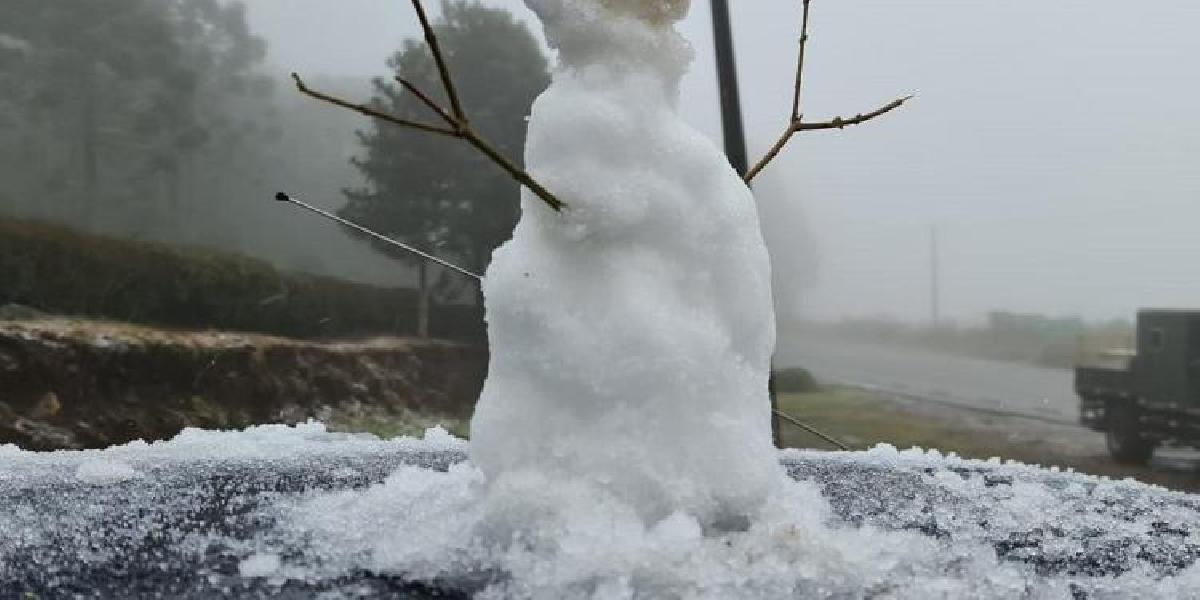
1152	396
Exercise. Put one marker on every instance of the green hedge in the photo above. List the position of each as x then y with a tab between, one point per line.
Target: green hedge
60	270
795	381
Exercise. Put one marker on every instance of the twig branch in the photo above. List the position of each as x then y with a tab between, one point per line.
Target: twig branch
523	177
800	63
797	124
438	57
842	123
455	118
366	109
425	99
836	123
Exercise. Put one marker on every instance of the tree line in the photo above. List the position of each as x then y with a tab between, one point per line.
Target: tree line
161	120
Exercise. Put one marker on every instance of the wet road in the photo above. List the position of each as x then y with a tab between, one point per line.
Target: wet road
1041	393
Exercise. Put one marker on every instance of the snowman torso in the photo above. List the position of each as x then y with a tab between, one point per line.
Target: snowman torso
630	335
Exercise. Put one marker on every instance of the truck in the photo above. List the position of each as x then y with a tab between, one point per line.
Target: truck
1148	397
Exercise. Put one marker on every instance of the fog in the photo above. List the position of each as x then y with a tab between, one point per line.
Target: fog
1052	145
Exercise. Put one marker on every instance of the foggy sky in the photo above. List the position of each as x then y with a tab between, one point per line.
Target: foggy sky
1053	143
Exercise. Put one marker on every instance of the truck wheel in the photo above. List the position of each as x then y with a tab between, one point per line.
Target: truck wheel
1123	436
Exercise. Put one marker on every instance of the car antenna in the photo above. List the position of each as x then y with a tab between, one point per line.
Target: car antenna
284	197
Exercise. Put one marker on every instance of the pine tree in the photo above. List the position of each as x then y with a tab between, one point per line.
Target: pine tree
118	99
436	193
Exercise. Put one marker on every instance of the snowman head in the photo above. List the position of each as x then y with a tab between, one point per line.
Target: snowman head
617	33
657	13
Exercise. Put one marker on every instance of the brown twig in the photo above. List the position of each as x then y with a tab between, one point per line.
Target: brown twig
443	70
800	63
427	101
366	109
461	129
836	123
797	124
516	172
456	119
842	123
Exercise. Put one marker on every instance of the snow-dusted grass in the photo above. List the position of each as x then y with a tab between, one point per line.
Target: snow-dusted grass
388	424
864	418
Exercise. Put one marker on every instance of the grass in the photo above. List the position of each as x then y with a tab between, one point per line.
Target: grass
58	270
862	419
387	425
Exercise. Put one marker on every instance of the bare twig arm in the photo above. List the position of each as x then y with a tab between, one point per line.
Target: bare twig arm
427	101
800	63
841	123
797	124
366	110
836	123
439	58
770	156
457	125
516	172
463	130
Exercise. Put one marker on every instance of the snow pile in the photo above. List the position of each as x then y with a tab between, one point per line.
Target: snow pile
310	441
260	565
631	335
442	528
621	448
105	472
78	510
899	525
303	512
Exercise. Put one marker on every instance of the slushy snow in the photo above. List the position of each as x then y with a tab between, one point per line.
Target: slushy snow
223	507
621	447
631	335
260	565
104	472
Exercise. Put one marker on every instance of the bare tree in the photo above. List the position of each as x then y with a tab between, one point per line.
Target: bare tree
455	123
797	124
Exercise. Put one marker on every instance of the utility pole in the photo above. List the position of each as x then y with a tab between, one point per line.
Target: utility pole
935	284
727	83
735	139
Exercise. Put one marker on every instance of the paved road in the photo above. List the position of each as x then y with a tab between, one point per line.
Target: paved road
991	385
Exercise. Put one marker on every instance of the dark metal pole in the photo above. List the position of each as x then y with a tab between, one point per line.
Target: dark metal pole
735	137
727	82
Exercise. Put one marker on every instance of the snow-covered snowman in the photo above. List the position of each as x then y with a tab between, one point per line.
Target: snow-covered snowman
631	334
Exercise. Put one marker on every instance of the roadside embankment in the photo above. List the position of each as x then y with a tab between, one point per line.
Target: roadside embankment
85	384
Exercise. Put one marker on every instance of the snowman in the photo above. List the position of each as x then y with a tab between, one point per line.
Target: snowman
631	334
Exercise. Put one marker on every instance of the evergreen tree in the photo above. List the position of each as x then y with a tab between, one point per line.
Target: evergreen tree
436	193
117	99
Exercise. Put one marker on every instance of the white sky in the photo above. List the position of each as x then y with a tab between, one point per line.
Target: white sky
1054	143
